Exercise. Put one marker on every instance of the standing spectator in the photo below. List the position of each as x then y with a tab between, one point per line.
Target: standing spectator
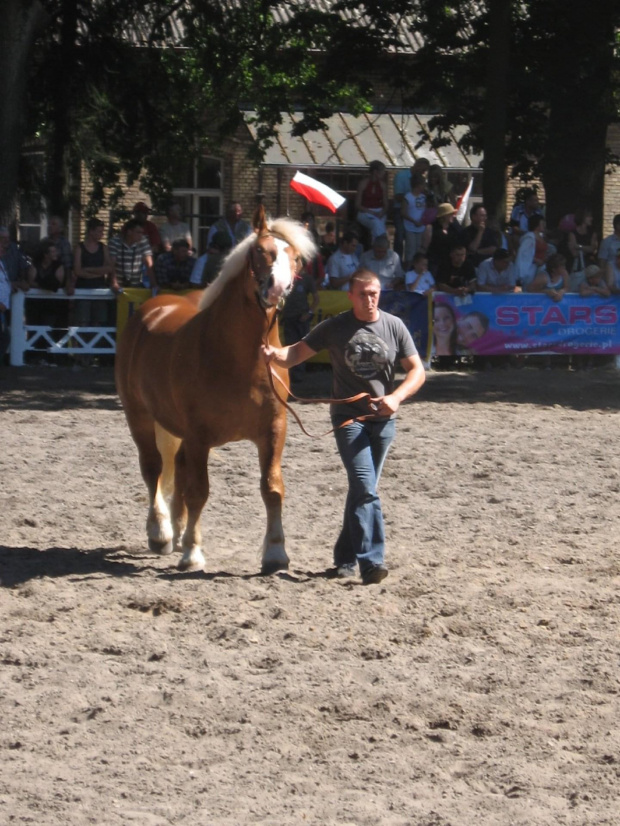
49	274
173	270
402	186
438	187
610	246
523	211
413	208
371	200
365	346
232	224
141	213
132	256
532	253
174	229
612	274
479	239
328	245
17	267
299	308
444	235
93	269
383	262
582	242
55	234
496	274
457	275
343	263
208	266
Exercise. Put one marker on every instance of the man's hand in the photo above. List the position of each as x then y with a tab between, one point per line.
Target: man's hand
385	405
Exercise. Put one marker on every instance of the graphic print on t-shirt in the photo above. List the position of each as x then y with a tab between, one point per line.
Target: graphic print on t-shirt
366	355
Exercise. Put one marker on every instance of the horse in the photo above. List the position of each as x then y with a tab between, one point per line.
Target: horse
190	376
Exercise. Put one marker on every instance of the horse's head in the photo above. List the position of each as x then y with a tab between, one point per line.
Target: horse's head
274	262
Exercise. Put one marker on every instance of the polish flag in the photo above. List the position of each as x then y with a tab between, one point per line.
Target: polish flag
316	192
462	201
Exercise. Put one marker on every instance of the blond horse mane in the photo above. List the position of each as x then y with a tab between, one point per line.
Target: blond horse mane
290	231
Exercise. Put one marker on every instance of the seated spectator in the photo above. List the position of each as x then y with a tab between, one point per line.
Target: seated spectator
232	224
383	262
439	190
552	280
479	239
17	267
174	229
343	263
401	186
328	245
371	200
413	209
457	275
132	256
173	270
532	253
55	234
93	270
610	246
419	279
496	274
444	235
594	283
522	212
141	213
208	266
582	242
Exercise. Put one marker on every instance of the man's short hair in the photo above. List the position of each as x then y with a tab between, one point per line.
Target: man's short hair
534	221
475	208
180	243
363	276
616	221
93	223
131	224
348	236
555	261
501	254
419	256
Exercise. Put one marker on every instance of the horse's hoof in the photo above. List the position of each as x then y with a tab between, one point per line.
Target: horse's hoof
160	548
273	567
189	565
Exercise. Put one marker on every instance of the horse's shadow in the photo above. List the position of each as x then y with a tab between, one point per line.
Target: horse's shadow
19	565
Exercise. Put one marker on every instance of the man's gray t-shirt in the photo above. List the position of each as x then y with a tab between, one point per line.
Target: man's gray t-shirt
363	355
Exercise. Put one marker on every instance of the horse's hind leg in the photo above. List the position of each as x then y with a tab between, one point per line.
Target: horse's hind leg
190	495
159	524
274	556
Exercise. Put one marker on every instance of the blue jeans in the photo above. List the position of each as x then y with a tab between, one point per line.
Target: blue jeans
363	447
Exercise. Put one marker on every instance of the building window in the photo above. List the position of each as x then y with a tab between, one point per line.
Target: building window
198	190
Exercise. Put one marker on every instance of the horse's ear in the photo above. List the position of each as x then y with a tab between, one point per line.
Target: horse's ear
259	221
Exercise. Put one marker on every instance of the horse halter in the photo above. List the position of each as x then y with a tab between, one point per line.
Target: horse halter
263	274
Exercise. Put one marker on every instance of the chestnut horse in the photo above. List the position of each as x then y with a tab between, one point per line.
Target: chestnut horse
190	377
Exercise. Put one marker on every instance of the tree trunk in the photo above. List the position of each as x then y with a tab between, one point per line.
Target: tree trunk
495	110
22	19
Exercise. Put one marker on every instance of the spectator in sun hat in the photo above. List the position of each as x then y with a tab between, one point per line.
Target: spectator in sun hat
141	211
444	235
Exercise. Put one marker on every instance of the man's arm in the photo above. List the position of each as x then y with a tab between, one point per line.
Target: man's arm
287	356
414	379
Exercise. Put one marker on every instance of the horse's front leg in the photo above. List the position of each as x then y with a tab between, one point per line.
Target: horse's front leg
272	490
191	493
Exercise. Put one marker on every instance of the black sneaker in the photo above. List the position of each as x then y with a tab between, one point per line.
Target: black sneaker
374	575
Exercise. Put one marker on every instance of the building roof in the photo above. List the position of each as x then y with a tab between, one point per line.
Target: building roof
350	141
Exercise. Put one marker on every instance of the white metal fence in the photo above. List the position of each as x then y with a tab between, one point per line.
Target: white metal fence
70	340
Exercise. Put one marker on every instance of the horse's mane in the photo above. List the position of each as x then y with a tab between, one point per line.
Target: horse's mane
291	231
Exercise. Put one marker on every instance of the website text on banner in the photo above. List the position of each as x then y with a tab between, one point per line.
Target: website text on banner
521	323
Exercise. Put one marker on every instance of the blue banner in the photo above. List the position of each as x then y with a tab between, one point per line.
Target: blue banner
521	323
415	310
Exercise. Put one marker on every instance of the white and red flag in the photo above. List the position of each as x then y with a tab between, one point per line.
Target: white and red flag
462	201
316	192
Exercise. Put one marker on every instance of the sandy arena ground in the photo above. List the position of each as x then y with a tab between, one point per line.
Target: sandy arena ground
477	686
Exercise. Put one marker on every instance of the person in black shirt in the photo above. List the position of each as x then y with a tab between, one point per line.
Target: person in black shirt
456	275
